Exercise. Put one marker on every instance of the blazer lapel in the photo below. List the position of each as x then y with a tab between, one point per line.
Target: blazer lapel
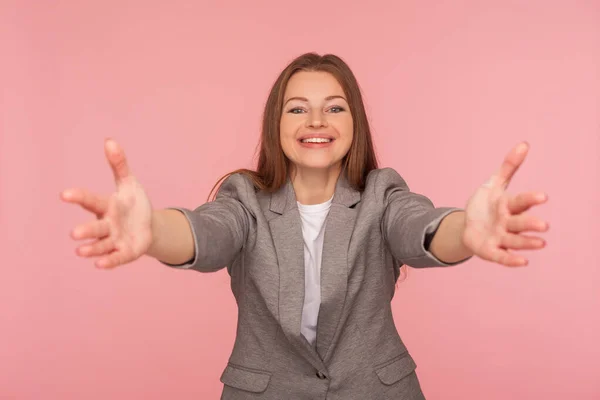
289	246
334	264
286	231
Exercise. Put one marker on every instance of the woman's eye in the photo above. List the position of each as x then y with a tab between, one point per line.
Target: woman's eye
298	110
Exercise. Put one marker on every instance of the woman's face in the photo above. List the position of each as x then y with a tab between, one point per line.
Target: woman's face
316	127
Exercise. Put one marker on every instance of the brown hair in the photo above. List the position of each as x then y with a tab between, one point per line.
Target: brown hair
273	166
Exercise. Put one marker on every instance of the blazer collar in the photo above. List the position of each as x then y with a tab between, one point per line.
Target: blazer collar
284	199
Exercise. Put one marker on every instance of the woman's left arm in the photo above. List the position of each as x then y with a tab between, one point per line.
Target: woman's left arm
493	222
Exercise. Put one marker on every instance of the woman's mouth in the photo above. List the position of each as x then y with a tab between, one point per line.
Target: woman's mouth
316	142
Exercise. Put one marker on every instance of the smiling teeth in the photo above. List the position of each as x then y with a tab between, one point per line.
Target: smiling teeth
316	140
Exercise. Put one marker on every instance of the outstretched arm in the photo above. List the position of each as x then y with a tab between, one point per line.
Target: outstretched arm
494	222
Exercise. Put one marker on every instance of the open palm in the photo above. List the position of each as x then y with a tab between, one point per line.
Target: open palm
496	221
122	229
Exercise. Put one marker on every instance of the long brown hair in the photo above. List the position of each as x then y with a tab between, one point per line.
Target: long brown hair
273	166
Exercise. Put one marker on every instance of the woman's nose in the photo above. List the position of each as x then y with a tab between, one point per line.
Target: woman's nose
316	119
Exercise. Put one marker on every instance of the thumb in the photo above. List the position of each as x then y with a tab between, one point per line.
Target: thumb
116	158
509	167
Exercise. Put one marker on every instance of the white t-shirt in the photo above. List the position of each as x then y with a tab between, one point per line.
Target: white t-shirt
313	227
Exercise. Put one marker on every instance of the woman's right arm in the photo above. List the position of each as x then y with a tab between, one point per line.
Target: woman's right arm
172	239
125	226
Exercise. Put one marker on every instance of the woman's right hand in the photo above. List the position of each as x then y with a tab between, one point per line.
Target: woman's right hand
122	230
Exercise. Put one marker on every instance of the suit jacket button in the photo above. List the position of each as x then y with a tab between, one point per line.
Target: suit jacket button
321	375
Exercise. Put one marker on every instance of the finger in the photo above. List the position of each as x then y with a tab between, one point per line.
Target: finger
99	248
507	258
116	158
86	199
524	201
501	256
510	165
91	230
524	222
522	242
111	260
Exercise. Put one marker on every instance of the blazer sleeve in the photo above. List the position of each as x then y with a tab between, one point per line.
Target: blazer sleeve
408	219
219	227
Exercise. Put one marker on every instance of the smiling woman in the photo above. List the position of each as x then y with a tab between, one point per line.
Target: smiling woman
316	128
313	239
314	97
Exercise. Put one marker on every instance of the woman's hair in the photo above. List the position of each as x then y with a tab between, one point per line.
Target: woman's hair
273	166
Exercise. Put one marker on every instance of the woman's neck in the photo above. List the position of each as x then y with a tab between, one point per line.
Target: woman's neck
314	186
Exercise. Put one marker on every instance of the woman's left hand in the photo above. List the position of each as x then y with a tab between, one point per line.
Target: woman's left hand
496	221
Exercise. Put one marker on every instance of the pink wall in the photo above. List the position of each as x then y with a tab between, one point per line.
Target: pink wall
450	88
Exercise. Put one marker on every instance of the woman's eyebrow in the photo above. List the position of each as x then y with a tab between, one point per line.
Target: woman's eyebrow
306	100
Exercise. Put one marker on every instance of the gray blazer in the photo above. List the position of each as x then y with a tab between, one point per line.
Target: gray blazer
358	353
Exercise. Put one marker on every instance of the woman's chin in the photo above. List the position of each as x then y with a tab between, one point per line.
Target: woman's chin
314	166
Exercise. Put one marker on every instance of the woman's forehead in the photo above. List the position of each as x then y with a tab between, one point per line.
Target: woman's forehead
313	84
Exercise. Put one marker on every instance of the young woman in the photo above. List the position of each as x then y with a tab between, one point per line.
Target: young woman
313	240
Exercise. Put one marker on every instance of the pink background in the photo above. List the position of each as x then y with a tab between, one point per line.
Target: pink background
450	88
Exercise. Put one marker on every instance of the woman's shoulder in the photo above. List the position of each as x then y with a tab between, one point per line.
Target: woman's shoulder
237	185
381	179
381	184
238	178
